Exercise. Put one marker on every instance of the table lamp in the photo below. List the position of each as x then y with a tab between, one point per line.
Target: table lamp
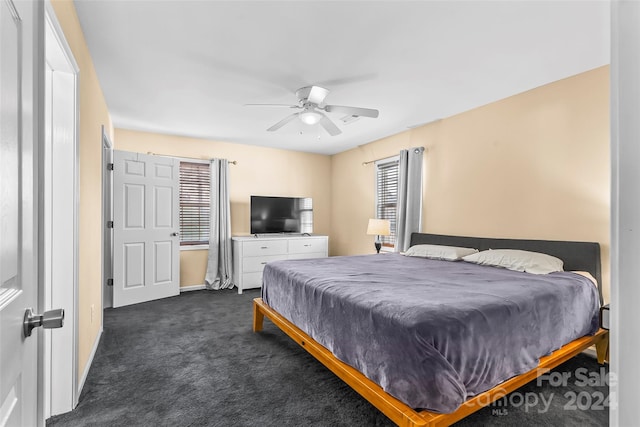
379	227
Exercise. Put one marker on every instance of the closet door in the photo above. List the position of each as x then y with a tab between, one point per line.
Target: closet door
146	264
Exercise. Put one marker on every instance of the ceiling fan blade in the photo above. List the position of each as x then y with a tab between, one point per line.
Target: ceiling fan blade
354	78
271	105
353	111
329	126
283	122
317	94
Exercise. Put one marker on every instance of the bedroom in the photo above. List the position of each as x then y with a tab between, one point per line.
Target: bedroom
454	189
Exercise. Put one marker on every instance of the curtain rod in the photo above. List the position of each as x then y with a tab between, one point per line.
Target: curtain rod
233	162
373	161
415	150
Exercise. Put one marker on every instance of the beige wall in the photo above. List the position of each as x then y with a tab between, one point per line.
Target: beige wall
535	165
93	114
260	171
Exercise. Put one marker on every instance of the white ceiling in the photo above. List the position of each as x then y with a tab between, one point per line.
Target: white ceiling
188	67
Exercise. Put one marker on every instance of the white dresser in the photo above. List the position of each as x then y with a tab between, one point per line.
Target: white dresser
251	254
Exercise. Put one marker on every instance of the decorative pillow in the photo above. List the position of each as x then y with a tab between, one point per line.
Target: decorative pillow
514	259
447	253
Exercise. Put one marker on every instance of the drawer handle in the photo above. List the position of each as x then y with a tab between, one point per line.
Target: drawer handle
263	262
307	246
264	247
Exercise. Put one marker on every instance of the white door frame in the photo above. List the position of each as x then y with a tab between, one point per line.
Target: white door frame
60	350
625	212
107	215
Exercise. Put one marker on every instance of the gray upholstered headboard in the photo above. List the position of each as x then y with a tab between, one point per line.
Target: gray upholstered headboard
577	256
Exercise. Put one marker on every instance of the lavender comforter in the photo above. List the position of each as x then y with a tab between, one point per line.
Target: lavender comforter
431	333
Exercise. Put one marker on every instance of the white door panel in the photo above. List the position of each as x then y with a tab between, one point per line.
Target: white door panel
18	211
163	199
134	265
162	260
146	244
133	207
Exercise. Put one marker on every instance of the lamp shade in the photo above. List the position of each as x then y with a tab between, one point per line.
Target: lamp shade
381	227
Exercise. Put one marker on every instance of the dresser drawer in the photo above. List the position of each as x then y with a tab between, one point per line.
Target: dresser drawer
302	246
307	256
257	263
264	247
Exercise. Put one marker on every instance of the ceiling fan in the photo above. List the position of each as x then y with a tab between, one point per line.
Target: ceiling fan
311	104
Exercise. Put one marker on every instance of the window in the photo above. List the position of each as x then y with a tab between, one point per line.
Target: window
387	196
305	207
194	203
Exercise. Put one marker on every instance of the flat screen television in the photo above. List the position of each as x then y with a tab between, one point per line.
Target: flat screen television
281	215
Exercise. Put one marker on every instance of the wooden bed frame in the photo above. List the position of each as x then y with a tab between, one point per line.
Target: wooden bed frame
397	411
582	256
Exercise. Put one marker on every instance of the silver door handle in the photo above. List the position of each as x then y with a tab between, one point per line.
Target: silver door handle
48	320
175	234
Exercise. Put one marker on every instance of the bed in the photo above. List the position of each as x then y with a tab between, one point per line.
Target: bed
429	351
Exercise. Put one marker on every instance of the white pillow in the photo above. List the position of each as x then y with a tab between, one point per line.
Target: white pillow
447	253
513	259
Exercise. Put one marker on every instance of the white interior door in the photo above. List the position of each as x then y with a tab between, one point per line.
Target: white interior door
18	212
146	250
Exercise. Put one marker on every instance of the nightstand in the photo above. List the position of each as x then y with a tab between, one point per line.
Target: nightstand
602	347
604	317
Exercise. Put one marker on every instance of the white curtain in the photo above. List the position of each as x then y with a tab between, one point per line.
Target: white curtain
219	263
409	214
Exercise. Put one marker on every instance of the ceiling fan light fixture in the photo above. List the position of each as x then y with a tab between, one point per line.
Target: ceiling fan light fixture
310	117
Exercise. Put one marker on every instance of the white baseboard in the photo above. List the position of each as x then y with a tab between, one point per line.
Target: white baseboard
192	288
88	366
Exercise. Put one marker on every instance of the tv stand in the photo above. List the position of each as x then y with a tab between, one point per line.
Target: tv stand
252	253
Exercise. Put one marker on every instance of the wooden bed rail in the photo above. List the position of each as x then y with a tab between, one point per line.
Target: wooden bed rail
400	413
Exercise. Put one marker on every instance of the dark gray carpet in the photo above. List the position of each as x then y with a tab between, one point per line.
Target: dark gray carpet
193	360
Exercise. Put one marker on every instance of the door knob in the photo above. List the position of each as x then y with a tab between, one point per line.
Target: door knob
48	320
175	234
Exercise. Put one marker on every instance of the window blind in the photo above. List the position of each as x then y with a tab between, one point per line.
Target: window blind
387	197
195	200
305	208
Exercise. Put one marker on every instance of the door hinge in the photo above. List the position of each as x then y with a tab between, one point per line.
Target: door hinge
109	224
109	166
109	282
